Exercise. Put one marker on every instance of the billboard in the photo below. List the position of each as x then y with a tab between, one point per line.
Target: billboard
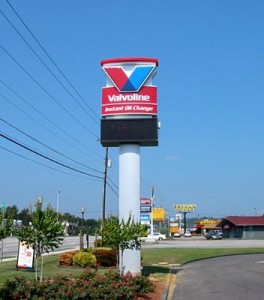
185	207
159	214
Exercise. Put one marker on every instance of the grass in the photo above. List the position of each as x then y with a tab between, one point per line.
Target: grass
51	267
150	261
173	256
182	256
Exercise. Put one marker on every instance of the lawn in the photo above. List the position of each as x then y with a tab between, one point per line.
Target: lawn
155	262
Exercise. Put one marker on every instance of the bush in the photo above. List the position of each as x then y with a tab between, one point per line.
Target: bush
84	259
98	243
66	259
88	286
106	257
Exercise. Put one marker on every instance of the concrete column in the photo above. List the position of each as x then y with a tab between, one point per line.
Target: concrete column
129	199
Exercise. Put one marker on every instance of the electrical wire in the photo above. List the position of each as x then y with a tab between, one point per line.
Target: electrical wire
46	91
46	118
111	188
41	164
51	59
46	66
46	157
48	147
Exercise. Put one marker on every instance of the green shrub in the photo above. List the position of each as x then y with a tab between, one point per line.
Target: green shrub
84	259
66	259
98	243
105	257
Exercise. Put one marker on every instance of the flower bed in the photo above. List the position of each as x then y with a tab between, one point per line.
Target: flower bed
89	285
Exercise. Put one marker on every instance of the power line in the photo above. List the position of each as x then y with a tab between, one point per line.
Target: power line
44	117
112	182
39	163
56	151
46	66
48	158
54	63
46	91
111	188
58	80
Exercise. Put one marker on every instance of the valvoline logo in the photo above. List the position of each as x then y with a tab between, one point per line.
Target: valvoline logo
129	80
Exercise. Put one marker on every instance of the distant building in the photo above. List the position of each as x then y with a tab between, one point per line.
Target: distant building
243	227
70	228
206	225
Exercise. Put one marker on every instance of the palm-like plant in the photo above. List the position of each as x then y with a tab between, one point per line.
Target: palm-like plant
44	232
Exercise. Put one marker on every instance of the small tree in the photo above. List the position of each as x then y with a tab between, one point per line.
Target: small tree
5	226
122	236
44	232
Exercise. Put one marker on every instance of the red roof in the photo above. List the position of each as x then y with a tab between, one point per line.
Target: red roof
249	221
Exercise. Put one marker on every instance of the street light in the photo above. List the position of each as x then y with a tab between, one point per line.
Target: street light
39	202
81	231
58	202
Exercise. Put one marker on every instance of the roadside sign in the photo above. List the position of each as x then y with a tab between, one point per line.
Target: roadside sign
3	207
25	259
145	208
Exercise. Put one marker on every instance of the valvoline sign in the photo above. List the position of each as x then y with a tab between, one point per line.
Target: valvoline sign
129	89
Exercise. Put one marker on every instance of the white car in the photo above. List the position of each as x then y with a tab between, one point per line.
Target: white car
158	236
188	234
177	235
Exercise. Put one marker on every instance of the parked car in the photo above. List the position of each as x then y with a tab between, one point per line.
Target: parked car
217	231
177	235
214	235
158	236
188	233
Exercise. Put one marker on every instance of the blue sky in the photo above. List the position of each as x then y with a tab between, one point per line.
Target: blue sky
210	102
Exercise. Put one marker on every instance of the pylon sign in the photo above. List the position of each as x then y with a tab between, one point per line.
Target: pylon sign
185	207
129	89
129	102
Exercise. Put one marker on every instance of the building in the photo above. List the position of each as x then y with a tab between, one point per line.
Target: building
243	227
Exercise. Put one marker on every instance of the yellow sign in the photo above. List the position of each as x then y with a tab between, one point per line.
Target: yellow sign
158	214
174	229
207	221
185	207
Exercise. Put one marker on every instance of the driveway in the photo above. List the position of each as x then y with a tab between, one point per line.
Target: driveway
238	277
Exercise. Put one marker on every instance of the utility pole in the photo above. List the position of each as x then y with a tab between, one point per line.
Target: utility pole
81	231
104	188
152	212
58	203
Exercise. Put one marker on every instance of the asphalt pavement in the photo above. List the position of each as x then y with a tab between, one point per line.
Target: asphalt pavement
238	277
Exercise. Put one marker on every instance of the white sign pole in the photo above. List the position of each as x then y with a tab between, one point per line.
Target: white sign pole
129	200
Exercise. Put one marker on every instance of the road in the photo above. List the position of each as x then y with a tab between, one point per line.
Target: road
10	248
201	242
229	278
10	245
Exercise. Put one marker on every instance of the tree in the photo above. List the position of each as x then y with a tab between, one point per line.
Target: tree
43	232
23	215
122	236
12	212
5	226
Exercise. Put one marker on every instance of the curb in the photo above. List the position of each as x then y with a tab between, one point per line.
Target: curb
169	288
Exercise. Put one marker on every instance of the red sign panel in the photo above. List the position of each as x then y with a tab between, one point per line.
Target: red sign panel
142	102
129	89
145	201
